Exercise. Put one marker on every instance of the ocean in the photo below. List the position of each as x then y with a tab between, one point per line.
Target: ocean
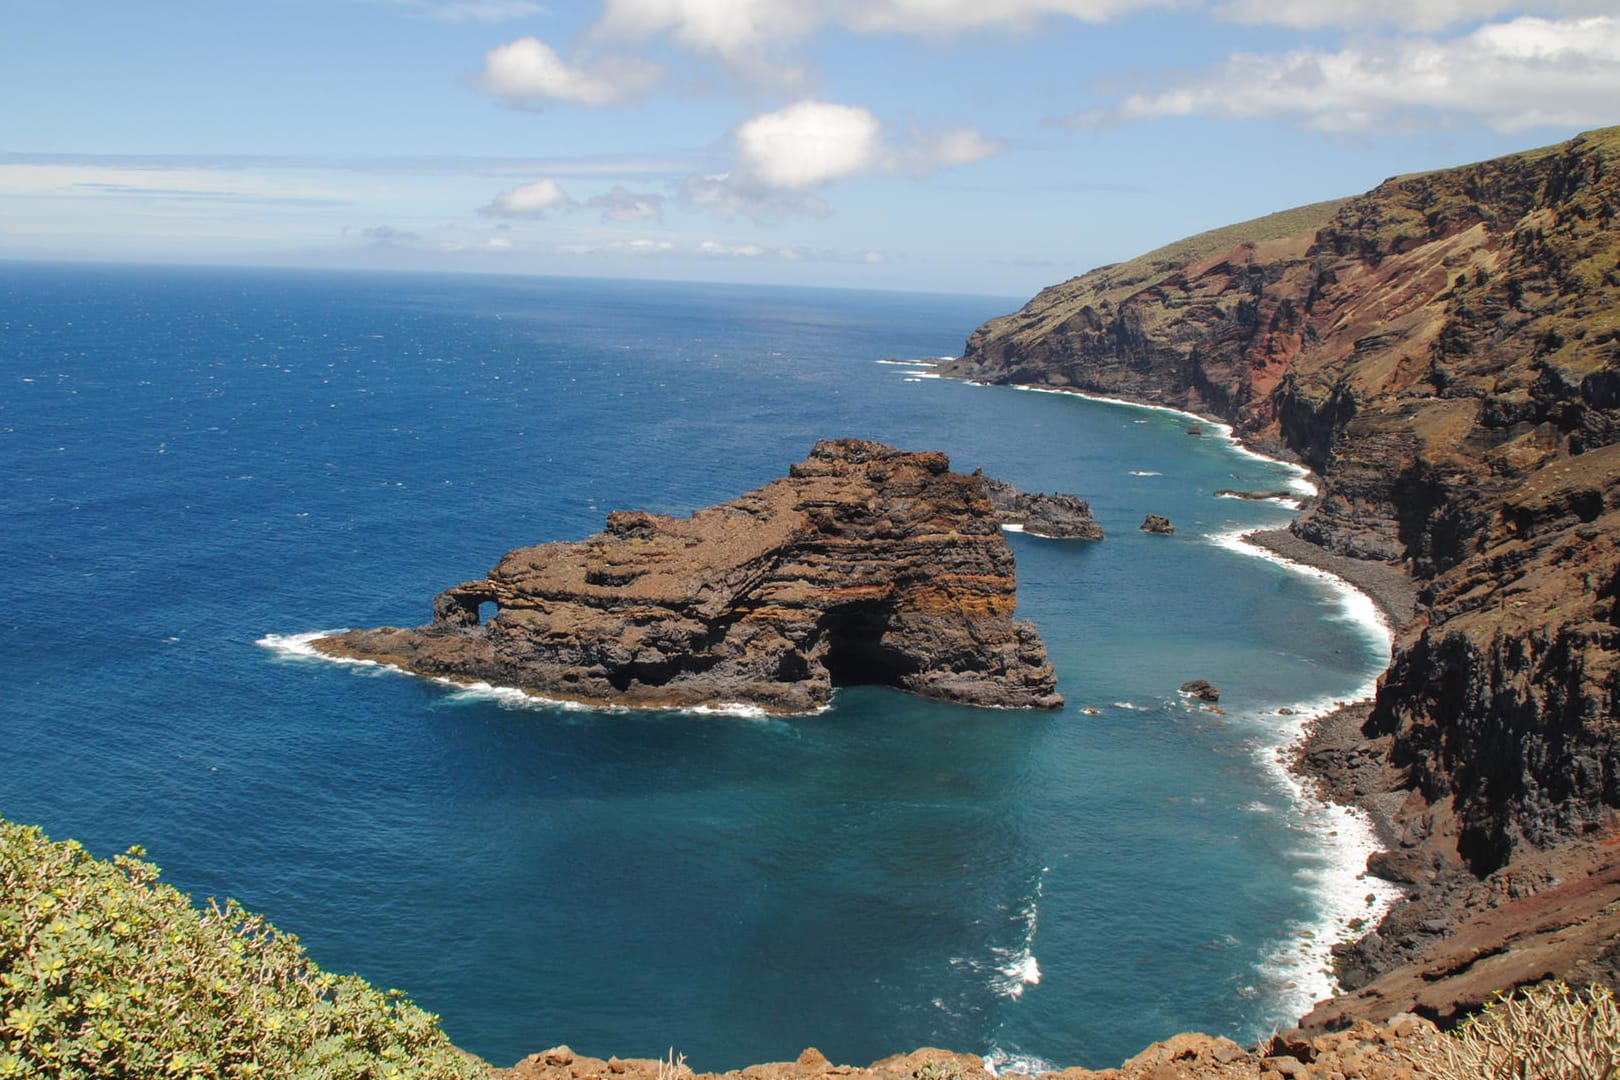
202	467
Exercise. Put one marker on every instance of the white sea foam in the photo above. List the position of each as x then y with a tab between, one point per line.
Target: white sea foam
298	646
999	1060
1298	971
1016	968
1279	500
1355	606
1145	472
1011	526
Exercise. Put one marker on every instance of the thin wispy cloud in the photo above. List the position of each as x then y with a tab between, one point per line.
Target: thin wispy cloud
621	205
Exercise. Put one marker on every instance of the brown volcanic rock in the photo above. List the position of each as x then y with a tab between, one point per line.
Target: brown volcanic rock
865	565
1444	351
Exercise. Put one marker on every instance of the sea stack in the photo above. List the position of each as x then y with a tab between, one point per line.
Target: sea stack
865	565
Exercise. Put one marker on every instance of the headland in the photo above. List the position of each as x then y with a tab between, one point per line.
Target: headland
1443	354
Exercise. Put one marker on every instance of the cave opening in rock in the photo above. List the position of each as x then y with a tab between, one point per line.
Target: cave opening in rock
856	654
486	611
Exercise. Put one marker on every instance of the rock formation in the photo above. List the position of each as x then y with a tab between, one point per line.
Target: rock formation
865	565
1059	517
1444	353
1157	523
1202	689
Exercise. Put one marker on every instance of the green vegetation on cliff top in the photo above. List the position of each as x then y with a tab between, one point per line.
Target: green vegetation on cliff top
105	972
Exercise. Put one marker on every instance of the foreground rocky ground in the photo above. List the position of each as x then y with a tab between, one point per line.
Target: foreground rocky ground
1364	1051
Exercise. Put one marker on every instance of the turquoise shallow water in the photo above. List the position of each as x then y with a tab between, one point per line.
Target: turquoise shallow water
198	459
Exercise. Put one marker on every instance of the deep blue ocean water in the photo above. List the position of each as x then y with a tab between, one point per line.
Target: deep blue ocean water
196	460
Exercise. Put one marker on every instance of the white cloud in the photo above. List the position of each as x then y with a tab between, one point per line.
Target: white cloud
783	157
927	151
734	251
528	200
736	30
622	205
618	247
807	144
795	253
726	197
528	71
1422	15
1513	75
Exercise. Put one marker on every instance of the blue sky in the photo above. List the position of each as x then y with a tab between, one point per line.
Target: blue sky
988	146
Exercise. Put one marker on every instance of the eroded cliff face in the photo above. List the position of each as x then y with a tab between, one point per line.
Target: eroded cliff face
1444	351
865	565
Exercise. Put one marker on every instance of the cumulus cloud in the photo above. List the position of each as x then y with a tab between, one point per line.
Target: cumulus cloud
1513	75
528	200
622	205
784	157
807	144
528	72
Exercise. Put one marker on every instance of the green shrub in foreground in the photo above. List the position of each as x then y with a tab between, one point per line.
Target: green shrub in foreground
1548	1032
105	972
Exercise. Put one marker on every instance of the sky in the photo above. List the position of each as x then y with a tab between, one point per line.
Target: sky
970	146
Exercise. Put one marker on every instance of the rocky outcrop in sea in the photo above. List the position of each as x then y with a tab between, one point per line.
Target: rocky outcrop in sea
865	564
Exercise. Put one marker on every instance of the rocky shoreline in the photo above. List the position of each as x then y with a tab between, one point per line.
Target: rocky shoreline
1440	353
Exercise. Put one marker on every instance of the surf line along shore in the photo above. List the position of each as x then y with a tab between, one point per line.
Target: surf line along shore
1310	754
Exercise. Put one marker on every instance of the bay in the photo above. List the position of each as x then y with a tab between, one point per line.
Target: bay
197	461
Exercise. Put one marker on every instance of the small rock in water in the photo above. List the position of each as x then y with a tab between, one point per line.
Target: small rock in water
1155	523
1202	689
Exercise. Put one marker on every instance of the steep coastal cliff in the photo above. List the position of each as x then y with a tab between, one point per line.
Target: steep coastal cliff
1444	352
864	565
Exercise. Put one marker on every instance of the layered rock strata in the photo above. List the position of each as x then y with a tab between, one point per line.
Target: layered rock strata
865	564
1444	352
